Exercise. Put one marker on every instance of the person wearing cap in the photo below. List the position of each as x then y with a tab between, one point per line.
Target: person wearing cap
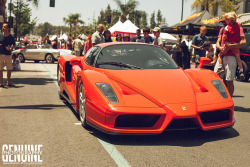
157	40
88	44
77	46
138	36
146	38
126	38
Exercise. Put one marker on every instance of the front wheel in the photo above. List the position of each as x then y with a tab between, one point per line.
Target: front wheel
49	58
82	110
21	57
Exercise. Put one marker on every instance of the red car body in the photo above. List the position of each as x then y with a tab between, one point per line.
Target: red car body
150	101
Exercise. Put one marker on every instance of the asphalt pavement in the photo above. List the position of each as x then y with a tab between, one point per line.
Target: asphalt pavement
32	113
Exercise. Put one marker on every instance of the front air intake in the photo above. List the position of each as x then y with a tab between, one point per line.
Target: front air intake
215	116
136	120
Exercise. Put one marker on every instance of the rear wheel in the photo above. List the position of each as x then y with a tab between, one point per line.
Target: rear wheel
82	111
245	71
49	58
21	57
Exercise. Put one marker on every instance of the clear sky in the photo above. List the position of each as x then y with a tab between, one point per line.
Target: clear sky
171	9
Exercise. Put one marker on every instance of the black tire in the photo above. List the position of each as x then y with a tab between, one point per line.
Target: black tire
21	57
49	58
81	103
245	71
36	61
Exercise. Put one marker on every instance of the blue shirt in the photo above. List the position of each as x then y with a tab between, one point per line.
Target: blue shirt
199	41
147	40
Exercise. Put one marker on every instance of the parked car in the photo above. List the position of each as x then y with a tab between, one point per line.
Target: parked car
245	58
135	88
19	45
37	52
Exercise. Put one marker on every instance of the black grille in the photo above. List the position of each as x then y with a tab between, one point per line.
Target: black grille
215	116
187	123
136	120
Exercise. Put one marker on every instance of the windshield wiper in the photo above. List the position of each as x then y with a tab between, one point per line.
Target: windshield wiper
119	64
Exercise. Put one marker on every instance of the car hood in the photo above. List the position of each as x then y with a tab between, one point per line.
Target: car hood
170	86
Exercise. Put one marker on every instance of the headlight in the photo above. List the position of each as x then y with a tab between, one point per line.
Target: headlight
220	87
107	90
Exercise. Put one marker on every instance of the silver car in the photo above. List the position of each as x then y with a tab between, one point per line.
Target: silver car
37	52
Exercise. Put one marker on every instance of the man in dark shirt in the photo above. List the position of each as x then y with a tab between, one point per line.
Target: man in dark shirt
47	40
6	46
146	38
138	36
197	44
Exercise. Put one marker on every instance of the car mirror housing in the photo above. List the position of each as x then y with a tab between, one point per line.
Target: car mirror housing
75	61
204	61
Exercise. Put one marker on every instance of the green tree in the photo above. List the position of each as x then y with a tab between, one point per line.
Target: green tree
103	17
144	20
22	14
213	5
73	20
44	29
159	17
3	6
126	9
210	5
152	21
230	5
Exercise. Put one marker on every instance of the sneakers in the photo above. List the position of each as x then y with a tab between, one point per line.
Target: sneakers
220	70
242	76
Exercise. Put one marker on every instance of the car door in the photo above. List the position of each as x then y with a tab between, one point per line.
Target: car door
30	51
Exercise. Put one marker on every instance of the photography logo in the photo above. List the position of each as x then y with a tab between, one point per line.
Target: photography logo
21	154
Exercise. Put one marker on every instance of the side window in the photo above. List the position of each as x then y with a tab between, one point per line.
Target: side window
90	58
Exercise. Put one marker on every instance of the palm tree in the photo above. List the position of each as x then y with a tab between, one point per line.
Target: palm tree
210	5
127	9
213	5
73	20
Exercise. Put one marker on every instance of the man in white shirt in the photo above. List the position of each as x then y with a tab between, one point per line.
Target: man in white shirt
157	40
77	45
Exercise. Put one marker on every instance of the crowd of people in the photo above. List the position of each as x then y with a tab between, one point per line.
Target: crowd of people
224	59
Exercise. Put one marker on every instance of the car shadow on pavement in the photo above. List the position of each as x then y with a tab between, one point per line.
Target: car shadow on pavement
33	107
241	109
29	71
185	138
32	81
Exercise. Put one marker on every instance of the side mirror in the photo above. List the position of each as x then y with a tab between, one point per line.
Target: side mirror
75	61
204	61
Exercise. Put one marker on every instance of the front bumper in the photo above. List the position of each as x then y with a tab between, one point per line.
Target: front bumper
128	120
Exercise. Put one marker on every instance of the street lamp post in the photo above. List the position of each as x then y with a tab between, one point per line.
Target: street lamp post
182	10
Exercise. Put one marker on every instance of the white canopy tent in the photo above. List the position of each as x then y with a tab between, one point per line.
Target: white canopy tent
83	37
64	36
128	27
116	26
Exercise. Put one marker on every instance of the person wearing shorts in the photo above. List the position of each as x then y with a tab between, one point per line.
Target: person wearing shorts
6	46
229	60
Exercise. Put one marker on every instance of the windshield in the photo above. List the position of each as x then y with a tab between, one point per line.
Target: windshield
45	46
134	56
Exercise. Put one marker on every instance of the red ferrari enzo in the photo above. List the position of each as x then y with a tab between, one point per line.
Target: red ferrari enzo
135	88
